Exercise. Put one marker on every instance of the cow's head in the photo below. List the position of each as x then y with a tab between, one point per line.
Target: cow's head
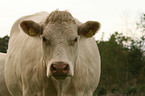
60	36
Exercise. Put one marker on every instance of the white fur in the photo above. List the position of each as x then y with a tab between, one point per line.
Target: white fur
3	88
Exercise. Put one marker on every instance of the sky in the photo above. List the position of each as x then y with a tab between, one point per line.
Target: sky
114	15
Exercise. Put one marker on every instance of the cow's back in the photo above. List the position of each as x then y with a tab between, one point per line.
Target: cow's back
3	88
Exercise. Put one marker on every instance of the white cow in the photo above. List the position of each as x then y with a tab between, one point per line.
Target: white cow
3	88
52	55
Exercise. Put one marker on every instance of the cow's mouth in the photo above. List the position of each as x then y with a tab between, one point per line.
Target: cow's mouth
59	77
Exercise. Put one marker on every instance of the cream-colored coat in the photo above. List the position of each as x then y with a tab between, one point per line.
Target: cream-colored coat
25	72
3	88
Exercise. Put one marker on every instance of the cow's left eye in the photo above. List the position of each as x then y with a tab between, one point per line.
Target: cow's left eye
72	42
75	40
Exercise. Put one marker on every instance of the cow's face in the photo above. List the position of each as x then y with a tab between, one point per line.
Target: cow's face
60	48
60	36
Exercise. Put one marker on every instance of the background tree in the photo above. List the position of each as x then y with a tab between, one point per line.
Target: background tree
4	44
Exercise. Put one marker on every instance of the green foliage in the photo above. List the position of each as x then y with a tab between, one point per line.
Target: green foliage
130	90
115	89
4	44
123	63
142	88
101	91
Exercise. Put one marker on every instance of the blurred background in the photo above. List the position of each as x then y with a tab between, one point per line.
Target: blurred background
121	39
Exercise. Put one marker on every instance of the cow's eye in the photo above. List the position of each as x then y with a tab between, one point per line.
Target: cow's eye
43	38
48	42
75	40
72	42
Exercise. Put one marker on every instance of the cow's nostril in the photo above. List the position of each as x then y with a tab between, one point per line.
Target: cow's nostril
53	68
66	68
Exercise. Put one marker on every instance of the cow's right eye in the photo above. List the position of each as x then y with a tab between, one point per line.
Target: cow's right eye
43	38
48	42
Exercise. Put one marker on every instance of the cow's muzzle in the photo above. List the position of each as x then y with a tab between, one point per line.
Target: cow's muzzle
60	70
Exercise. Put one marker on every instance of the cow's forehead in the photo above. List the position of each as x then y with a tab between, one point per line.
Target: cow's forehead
60	29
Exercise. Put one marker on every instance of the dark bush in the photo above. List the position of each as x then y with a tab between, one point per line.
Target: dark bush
115	89
130	90
101	91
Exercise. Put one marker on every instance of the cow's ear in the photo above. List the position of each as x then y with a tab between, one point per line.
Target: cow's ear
89	28
31	28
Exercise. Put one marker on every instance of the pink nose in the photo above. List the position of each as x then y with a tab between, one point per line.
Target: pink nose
59	69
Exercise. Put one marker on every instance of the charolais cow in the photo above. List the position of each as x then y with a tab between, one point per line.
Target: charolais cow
52	55
3	89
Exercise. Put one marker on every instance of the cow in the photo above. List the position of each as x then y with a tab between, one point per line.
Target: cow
52	55
3	89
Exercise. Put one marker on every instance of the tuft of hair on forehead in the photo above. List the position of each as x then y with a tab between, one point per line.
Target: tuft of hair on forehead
62	16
